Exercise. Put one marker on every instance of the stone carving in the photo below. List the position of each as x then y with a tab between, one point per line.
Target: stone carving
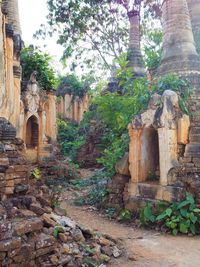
162	111
33	77
165	115
31	97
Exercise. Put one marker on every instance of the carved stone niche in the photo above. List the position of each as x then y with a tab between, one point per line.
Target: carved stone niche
154	139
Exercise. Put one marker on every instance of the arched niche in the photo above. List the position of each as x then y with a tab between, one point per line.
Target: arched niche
32	132
149	158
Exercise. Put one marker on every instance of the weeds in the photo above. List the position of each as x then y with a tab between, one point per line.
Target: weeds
36	174
182	217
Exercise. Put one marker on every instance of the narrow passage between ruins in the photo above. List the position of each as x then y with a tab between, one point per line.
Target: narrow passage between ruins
142	248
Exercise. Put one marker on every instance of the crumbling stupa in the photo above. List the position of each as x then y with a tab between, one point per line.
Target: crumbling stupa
164	151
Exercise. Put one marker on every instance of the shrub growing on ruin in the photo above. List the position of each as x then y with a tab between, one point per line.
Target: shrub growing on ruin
72	85
33	59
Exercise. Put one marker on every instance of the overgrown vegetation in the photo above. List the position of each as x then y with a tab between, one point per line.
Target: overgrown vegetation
152	48
69	138
72	85
182	217
98	189
180	86
113	111
33	59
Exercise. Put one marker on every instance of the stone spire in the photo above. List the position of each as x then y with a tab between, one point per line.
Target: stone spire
179	52
10	8
194	9
134	51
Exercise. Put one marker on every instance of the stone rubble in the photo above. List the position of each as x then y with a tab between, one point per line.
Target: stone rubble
48	239
32	233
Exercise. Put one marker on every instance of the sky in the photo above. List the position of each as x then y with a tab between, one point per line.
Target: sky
32	15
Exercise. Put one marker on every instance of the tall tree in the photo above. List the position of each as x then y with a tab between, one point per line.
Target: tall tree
96	30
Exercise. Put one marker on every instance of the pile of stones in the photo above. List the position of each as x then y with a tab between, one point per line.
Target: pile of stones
13	166
33	234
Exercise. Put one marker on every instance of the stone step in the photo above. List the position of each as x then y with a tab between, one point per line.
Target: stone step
148	190
156	191
192	150
154	194
195	130
194	138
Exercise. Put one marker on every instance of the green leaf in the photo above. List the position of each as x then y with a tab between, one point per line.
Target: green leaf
57	229
183	228
196	210
174	231
193	218
184	212
193	229
161	216
168	212
184	204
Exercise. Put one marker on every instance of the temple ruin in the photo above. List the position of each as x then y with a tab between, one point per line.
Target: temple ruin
164	150
72	107
31	111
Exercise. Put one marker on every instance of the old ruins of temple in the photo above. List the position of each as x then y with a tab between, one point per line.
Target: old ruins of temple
32	112
164	151
28	131
72	107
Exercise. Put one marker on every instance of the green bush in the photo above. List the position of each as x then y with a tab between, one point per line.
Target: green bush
98	190
69	139
115	149
152	48
33	59
70	84
183	217
175	83
125	215
113	111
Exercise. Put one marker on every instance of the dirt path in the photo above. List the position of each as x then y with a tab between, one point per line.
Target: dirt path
143	248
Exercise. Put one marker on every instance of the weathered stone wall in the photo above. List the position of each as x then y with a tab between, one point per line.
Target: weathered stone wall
194	9
13	106
38	121
2	63
13	167
72	108
10	45
179	52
